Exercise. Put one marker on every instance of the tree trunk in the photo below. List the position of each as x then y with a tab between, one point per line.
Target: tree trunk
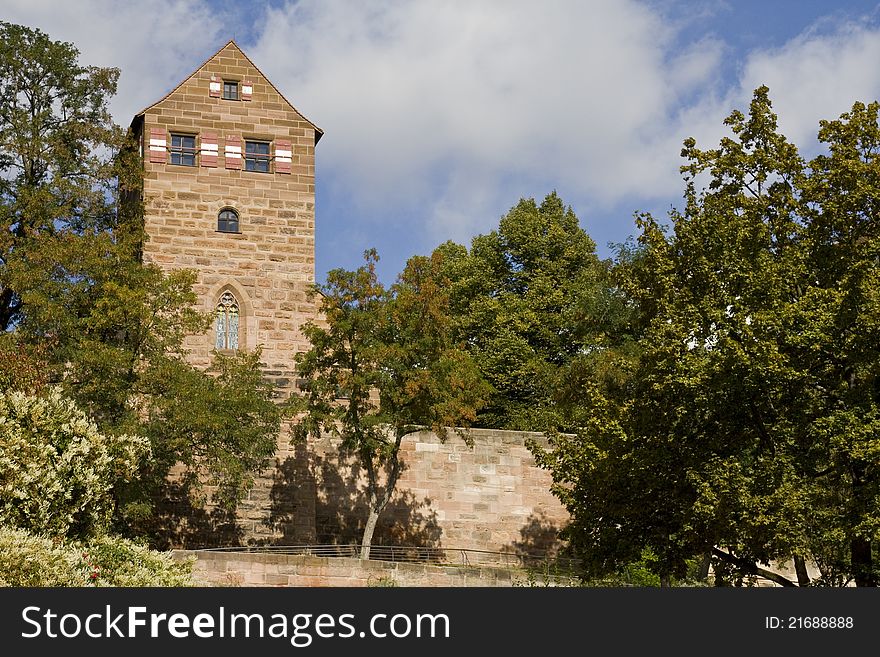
800	567
860	558
369	528
751	568
378	501
705	565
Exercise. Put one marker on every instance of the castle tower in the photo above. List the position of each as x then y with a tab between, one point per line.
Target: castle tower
229	191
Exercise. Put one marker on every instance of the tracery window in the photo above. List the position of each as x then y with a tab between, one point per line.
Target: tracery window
227	322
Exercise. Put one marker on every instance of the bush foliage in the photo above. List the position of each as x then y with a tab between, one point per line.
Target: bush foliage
57	471
27	560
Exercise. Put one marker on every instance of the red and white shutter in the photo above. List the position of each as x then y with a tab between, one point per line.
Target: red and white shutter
208	149
215	86
158	145
283	155
247	89
232	152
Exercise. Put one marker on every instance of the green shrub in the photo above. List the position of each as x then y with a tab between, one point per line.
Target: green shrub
57	471
33	561
27	560
121	562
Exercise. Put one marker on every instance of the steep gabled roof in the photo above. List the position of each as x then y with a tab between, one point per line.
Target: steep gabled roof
318	132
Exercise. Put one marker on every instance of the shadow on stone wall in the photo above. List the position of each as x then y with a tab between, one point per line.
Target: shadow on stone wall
314	499
177	523
321	499
539	540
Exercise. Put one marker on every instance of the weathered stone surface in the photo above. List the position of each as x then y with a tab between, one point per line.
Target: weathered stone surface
466	507
228	569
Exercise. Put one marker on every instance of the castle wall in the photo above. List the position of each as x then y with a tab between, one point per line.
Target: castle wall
486	496
255	569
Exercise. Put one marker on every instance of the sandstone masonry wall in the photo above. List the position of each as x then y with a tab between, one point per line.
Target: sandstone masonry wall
254	569
270	263
486	496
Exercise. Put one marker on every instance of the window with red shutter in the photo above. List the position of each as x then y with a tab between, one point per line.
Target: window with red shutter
158	145
283	156
232	152
209	149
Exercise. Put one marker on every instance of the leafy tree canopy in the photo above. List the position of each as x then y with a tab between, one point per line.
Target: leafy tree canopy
528	300
748	427
57	142
383	364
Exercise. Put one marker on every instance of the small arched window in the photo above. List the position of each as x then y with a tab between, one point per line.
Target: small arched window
227	322
227	221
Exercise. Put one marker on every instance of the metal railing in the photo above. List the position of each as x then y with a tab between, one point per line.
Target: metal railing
418	554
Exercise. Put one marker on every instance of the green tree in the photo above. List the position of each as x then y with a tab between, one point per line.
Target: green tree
527	301
747	427
57	143
383	364
839	350
217	428
22	366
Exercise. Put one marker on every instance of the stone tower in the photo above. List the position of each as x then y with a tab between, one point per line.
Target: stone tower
229	191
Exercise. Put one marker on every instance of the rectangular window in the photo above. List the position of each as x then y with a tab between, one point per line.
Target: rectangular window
256	156
183	150
230	90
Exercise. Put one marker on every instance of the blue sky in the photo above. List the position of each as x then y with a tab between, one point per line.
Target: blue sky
440	116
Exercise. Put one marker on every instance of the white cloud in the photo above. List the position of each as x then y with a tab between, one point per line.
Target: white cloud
439	116
817	75
577	94
155	43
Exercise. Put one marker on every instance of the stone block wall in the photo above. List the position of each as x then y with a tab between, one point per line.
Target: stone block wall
489	495
255	569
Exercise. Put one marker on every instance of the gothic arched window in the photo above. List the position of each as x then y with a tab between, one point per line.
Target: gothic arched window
227	322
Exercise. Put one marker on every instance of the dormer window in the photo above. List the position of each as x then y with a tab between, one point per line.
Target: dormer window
230	90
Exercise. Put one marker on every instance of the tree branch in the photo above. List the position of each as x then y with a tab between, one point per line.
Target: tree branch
752	568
